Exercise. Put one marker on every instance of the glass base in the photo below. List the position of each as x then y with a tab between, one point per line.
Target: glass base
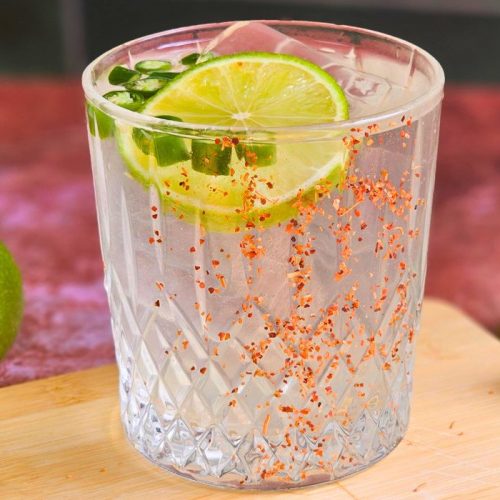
313	479
237	472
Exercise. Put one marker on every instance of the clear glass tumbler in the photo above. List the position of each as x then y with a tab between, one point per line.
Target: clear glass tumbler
273	350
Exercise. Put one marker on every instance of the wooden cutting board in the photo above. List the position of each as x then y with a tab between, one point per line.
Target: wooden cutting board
61	437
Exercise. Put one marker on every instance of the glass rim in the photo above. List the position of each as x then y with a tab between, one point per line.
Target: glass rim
432	95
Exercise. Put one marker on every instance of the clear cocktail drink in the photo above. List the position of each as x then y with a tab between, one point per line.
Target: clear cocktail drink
265	277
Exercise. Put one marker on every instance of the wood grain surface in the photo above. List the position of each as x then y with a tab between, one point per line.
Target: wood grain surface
61	437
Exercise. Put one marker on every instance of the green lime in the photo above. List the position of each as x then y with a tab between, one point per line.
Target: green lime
11	299
249	90
256	89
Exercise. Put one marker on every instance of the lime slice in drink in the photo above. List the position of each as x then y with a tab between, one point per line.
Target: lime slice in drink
227	191
254	89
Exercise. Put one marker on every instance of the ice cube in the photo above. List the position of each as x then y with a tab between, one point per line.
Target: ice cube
365	92
251	36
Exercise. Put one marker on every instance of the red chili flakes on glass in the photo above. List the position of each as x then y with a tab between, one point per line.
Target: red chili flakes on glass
224	336
192	249
185	344
286	409
203	370
232	403
160	285
222	280
342	272
411	334
151	240
215	263
157	303
265	425
250	248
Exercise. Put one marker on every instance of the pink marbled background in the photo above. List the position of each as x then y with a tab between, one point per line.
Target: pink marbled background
47	218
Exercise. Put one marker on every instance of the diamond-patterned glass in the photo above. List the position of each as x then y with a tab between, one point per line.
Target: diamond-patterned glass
274	355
